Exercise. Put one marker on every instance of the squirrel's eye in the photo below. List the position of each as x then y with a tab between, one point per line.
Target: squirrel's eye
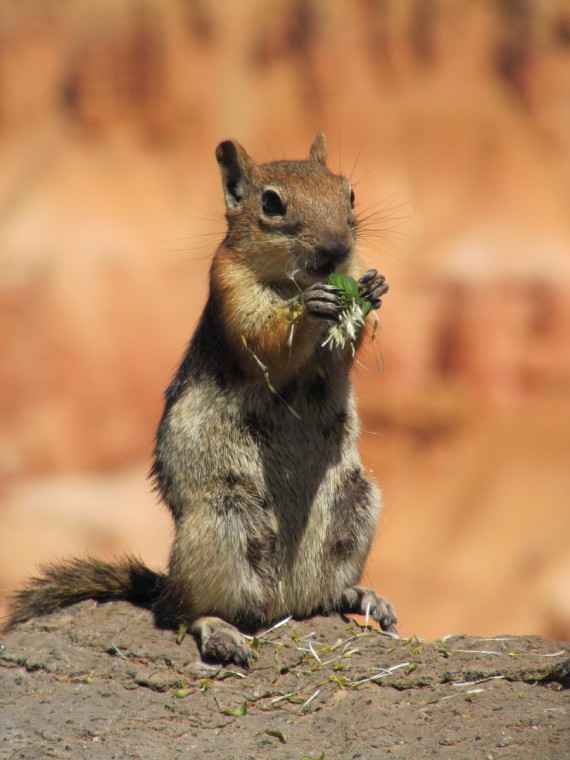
351	198
272	204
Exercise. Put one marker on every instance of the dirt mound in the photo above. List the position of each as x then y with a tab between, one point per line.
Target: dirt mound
102	682
451	120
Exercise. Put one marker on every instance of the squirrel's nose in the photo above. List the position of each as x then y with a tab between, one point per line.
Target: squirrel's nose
336	249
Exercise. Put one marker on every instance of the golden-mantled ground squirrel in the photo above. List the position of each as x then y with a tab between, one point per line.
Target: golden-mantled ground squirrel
256	451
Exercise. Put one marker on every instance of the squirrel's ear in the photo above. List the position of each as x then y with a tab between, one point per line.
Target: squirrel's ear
319	150
236	168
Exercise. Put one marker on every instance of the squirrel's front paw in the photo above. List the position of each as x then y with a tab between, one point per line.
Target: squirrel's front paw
322	302
372	286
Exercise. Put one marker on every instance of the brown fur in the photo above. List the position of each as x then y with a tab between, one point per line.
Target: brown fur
273	513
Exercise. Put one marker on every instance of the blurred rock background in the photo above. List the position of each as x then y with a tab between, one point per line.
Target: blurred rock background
453	121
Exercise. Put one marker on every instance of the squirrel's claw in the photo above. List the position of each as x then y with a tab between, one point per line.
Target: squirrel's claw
374	286
322	302
368	277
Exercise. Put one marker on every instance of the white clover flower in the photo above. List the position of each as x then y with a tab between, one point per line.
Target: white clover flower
351	319
346	329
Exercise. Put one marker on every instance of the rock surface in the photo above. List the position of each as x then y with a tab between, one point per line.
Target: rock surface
103	682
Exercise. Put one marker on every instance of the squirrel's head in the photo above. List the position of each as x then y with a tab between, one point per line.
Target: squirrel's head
287	217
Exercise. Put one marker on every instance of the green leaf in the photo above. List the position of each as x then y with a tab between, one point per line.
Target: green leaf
365	307
181	633
180	693
278	734
344	282
341	681
230	674
238	712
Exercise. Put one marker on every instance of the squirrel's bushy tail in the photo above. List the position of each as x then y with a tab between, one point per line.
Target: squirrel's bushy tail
70	581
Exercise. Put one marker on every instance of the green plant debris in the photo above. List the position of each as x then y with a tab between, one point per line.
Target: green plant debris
314	757
296	312
341	681
468	696
307	702
382	674
180	636
230	674
114	649
255	641
280	624
506	654
237	712
181	693
276	733
476	683
265	373
315	655
293	696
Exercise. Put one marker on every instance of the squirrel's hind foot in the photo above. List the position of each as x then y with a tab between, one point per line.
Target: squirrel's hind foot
220	641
